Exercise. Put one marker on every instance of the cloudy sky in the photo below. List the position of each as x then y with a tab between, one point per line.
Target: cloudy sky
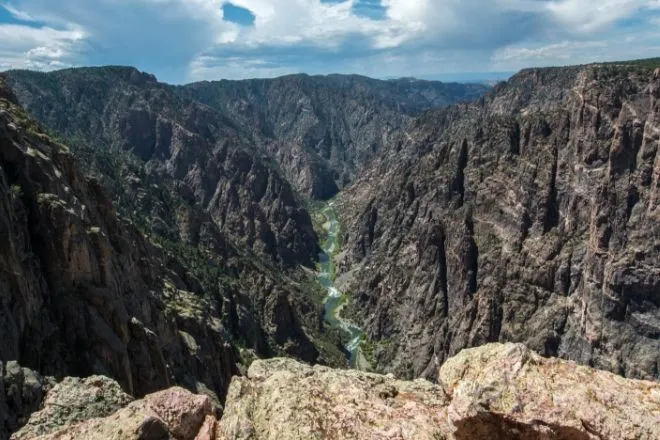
189	40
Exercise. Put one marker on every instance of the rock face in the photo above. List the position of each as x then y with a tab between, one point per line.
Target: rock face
83	291
171	414
322	130
507	391
179	146
492	392
530	216
283	399
72	401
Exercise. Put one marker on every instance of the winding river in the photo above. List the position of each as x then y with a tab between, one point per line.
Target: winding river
336	300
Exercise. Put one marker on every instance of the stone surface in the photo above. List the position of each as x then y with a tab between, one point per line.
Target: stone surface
529	216
283	399
170	414
182	412
207	431
21	393
74	400
495	392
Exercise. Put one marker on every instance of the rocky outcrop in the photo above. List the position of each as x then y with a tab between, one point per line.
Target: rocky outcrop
171	414
530	216
492	392
283	399
72	401
507	391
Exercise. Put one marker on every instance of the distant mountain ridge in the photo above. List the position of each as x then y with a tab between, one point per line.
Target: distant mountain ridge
321	130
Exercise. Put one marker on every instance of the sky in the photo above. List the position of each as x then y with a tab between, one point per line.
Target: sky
182	41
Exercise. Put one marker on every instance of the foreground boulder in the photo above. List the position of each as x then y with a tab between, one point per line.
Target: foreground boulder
171	414
495	392
507	391
74	400
492	392
282	399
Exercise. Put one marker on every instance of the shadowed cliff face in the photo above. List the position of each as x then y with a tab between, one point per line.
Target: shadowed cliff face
197	151
322	130
83	291
531	216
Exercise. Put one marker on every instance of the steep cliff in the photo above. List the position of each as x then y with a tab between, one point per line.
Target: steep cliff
322	130
83	291
181	153
529	216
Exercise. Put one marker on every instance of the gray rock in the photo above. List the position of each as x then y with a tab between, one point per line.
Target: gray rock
21	393
494	392
74	400
528	217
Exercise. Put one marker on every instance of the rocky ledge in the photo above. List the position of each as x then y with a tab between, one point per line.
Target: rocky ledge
492	392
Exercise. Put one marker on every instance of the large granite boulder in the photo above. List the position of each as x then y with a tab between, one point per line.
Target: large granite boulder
495	392
96	409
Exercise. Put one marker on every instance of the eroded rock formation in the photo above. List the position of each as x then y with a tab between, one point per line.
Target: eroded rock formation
83	291
495	392
530	216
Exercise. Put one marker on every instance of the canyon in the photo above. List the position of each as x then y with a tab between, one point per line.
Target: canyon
180	236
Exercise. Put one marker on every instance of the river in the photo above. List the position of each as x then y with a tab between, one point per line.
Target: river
336	299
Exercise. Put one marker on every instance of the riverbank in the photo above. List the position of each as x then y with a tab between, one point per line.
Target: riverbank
336	300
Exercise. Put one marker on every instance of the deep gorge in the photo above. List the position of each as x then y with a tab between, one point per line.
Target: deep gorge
168	235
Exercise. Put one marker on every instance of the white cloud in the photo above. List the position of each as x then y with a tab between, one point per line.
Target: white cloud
588	16
234	68
534	55
42	48
192	37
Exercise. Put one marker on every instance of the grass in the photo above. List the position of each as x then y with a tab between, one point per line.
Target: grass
369	348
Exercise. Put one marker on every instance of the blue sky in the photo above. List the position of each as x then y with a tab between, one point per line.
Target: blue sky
188	40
